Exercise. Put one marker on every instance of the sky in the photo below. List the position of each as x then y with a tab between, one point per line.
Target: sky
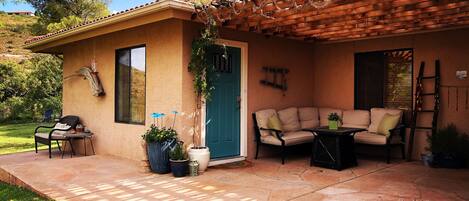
116	5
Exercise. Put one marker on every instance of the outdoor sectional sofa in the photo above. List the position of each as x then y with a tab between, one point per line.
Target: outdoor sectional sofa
297	121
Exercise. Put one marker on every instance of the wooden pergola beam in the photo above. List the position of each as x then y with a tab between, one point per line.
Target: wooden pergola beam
349	19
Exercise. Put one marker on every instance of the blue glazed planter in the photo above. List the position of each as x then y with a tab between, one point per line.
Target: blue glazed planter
158	156
180	168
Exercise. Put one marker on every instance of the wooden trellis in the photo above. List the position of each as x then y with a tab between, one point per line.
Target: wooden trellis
342	19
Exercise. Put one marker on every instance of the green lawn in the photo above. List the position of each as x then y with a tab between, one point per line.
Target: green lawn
17	138
13	193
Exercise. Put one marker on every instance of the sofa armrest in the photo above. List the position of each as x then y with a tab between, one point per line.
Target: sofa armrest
278	133
398	130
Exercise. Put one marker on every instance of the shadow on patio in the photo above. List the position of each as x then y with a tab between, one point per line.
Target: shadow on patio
110	178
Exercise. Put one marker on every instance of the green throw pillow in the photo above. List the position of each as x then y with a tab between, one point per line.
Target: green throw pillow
387	123
274	123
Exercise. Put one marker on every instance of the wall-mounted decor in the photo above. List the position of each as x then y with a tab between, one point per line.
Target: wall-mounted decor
91	74
276	78
453	97
461	74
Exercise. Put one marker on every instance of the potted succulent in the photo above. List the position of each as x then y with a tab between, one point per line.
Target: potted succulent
334	119
179	161
159	142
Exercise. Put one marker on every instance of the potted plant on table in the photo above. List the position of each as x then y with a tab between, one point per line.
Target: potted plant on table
159	140
334	119
179	161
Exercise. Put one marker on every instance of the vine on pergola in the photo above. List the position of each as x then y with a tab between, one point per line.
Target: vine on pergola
225	10
212	13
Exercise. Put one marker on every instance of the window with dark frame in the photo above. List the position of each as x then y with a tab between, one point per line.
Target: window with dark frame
130	85
384	79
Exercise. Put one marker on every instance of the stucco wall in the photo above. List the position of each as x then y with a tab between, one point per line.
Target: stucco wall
163	42
320	75
169	84
263	51
333	81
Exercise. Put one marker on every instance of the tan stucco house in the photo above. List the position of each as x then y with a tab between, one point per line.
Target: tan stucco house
155	39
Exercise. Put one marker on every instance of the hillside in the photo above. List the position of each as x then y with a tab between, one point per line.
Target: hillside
14	31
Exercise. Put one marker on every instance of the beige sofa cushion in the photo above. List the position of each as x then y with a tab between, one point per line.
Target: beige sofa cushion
356	118
262	117
289	119
366	137
324	114
309	117
378	113
290	138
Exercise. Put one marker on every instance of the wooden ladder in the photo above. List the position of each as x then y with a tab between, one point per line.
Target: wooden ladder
418	105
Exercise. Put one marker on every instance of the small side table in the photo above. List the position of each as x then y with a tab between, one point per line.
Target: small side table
78	135
334	148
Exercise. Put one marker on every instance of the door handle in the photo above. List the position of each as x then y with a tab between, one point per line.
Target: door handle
238	101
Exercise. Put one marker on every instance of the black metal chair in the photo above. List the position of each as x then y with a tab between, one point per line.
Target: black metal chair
53	135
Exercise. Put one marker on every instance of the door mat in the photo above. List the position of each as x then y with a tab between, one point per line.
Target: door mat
234	165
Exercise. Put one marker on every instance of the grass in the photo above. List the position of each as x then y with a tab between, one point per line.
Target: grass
14	31
13	193
16	138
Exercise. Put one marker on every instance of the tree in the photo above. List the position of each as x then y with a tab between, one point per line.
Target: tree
27	90
64	23
12	79
61	12
44	84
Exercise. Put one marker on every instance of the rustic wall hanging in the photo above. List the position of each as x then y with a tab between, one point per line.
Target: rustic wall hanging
91	74
276	78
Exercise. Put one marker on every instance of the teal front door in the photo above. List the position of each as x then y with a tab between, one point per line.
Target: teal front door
223	109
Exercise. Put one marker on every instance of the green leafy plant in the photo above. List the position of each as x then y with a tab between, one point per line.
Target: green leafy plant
156	134
198	65
333	117
178	153
449	140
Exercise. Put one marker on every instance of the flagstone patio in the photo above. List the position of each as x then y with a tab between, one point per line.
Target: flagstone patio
111	178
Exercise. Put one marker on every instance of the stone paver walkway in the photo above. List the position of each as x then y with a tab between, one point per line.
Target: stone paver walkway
112	178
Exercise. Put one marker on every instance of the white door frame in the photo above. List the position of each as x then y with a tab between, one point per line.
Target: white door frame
244	103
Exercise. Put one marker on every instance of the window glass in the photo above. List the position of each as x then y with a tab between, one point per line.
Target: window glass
130	85
384	79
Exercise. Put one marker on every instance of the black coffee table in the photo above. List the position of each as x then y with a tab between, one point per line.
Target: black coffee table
334	148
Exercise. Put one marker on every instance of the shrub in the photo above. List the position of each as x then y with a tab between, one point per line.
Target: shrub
19	28
449	140
178	153
156	134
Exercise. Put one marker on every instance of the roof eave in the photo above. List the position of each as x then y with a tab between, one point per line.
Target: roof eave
157	7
